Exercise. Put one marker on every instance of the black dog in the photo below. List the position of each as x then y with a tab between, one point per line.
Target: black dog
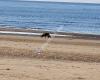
46	35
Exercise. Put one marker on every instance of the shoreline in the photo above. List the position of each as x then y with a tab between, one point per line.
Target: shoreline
37	32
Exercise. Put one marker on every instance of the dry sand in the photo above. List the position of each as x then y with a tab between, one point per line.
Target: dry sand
61	59
37	69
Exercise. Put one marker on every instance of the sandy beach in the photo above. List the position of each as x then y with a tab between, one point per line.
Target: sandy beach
37	69
35	58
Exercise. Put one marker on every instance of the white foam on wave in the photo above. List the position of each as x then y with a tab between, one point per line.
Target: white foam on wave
21	33
28	33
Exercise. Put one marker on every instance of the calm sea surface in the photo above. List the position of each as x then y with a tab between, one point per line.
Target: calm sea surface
72	17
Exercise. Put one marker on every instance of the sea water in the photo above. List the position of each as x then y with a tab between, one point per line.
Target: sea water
72	17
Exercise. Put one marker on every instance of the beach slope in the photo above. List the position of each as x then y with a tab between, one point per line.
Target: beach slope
35	58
